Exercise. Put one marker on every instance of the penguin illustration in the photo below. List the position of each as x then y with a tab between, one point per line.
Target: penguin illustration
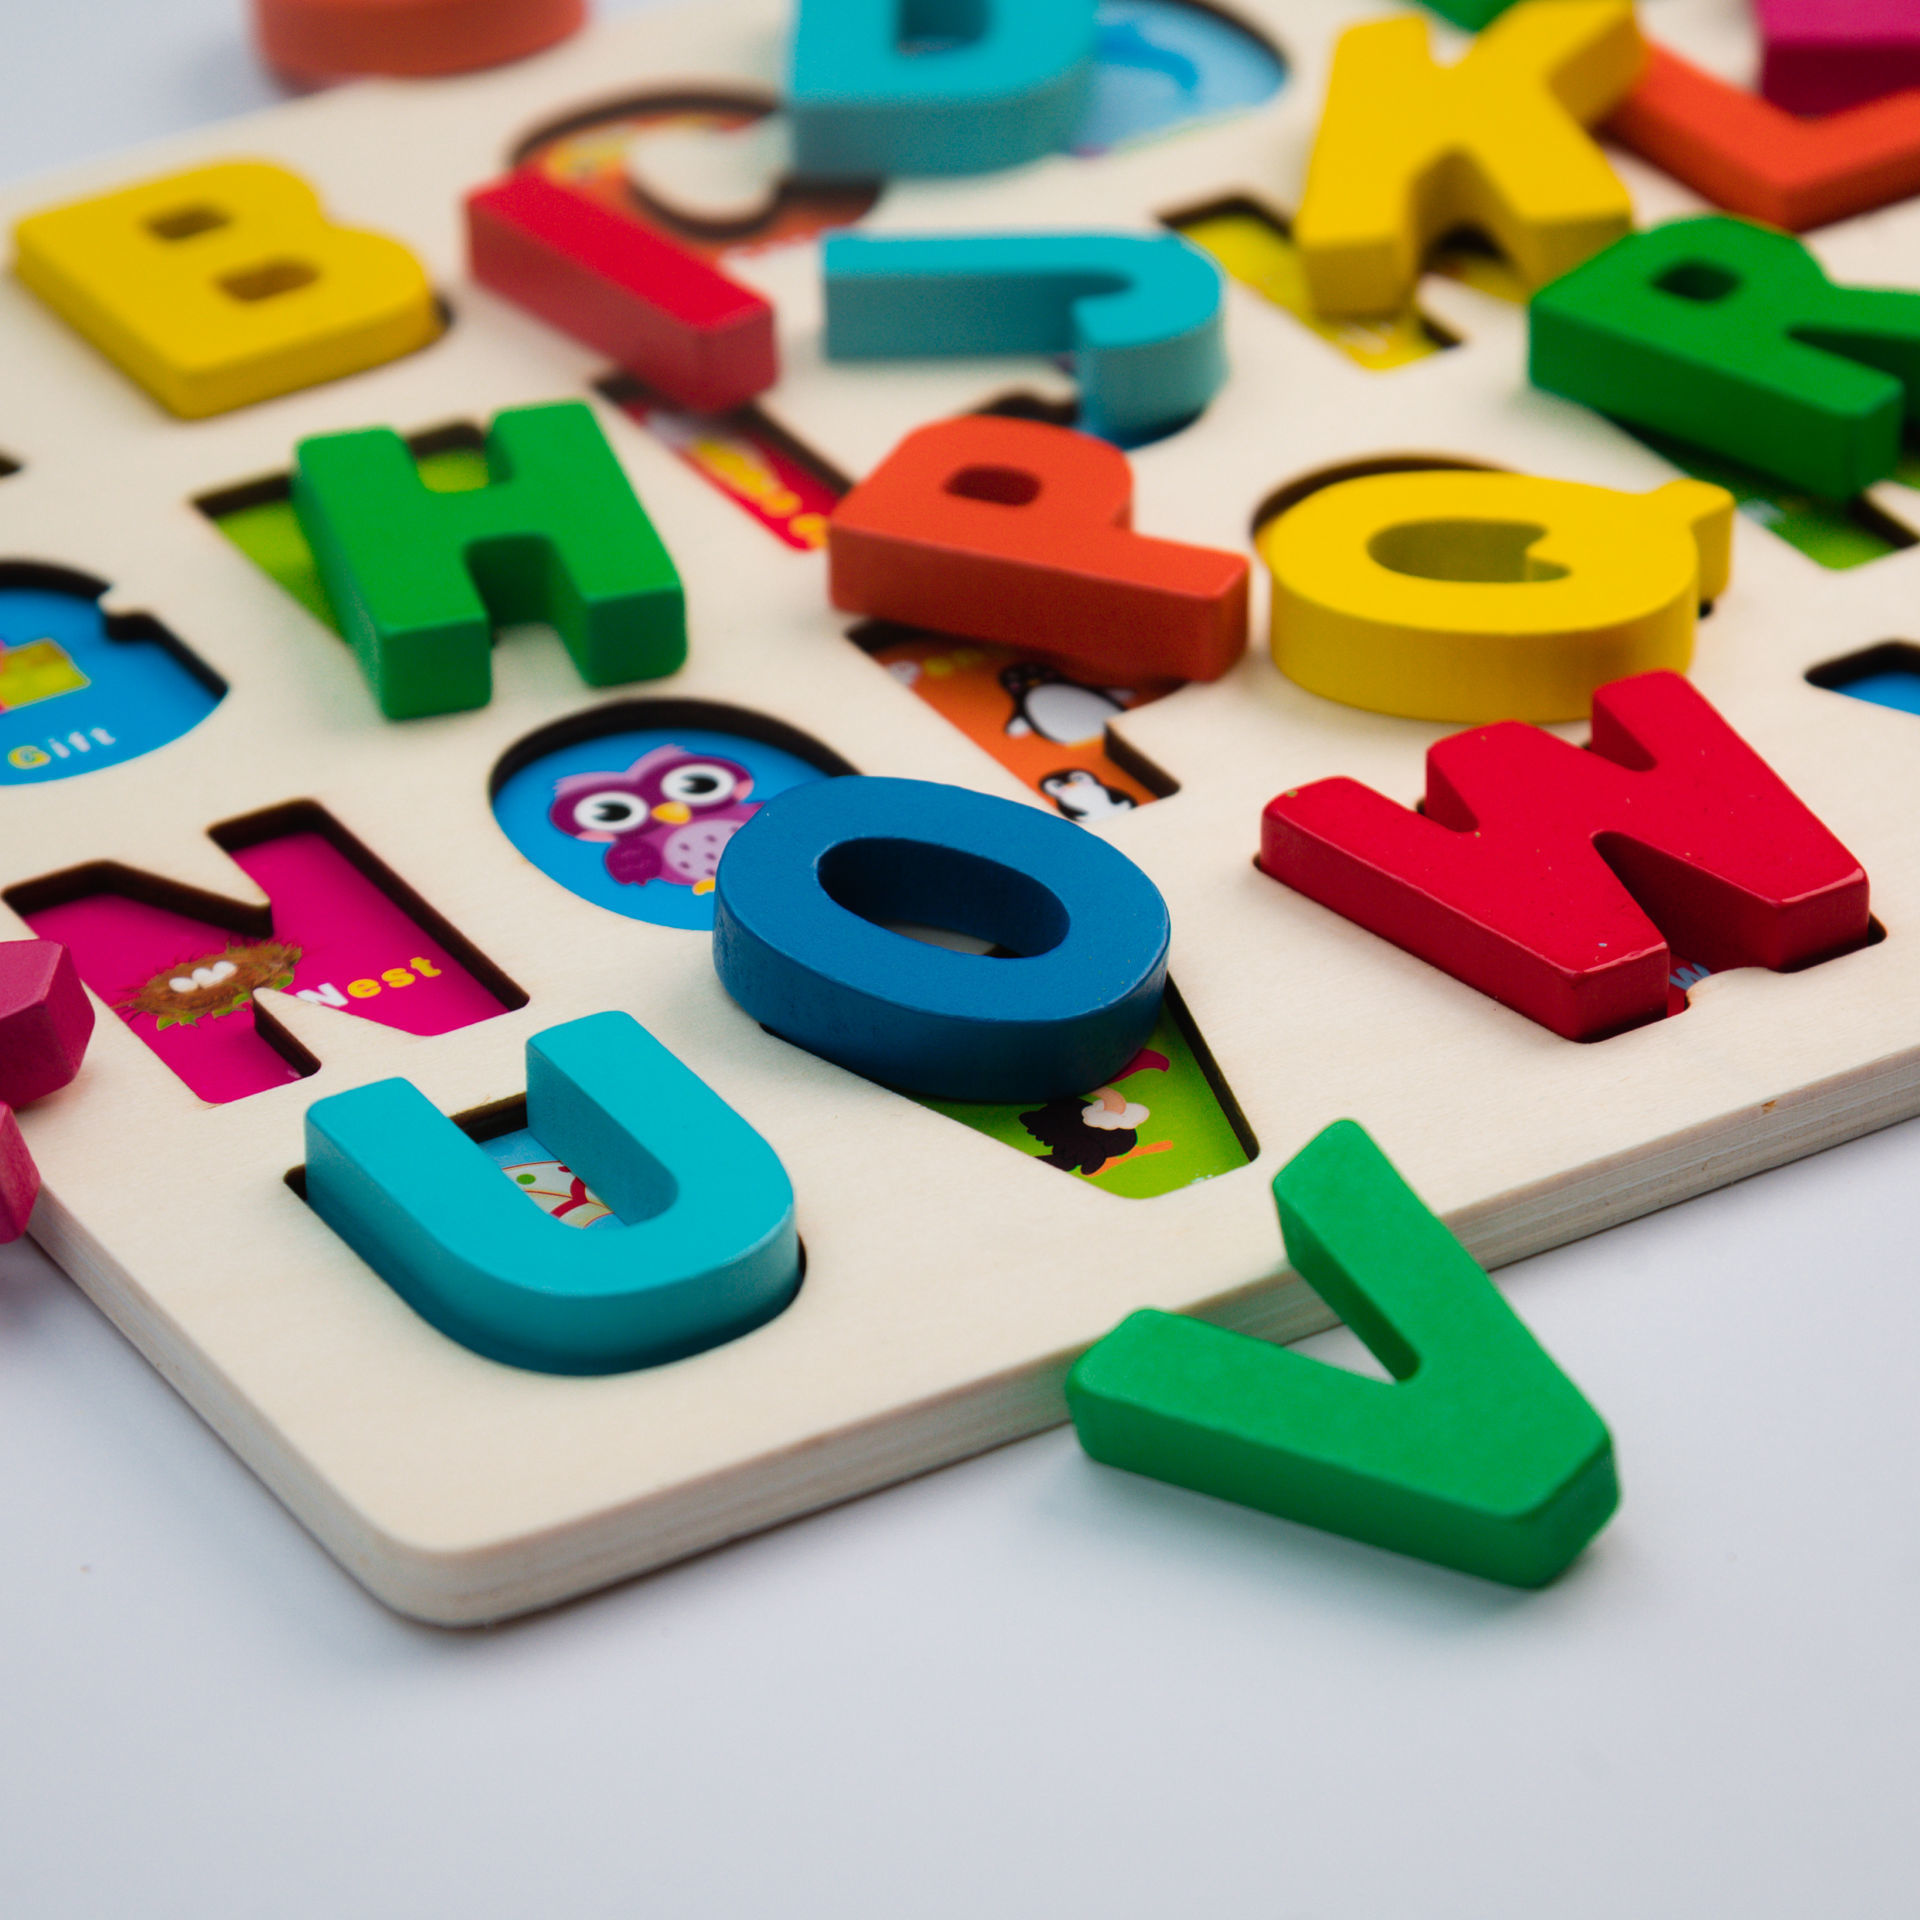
1047	703
1081	795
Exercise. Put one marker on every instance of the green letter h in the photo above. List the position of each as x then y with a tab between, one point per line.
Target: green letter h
419	578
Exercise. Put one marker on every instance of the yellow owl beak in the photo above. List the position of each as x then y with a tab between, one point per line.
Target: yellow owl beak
673	813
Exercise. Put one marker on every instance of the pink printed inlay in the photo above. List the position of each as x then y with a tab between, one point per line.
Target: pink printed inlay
185	986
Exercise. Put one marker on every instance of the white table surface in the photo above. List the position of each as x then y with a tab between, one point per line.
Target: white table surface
1023	1686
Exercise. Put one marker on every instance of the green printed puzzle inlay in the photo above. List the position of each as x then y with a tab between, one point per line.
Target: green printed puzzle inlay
1157	1126
1836	533
268	533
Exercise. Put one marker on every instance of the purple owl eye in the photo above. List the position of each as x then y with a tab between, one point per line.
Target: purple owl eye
608	812
699	784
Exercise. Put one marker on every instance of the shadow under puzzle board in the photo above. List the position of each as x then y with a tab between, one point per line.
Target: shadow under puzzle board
949	1279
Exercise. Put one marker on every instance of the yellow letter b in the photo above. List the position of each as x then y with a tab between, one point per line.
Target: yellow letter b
225	285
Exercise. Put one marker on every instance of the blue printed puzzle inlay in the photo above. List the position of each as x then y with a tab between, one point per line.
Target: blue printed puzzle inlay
1894	687
637	821
1160	65
75	697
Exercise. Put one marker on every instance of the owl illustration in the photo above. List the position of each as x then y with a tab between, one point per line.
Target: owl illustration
668	817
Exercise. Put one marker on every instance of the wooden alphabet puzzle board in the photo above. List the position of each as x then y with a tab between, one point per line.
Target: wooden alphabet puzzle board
951	1274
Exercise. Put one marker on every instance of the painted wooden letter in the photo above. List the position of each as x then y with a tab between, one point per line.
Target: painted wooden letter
1751	157
1554	879
1471	14
46	1021
224	285
1489	596
1139	312
936	86
815	883
665	315
417	578
1019	532
1731	337
706	1249
331	39
1407	150
1826	55
1479	1454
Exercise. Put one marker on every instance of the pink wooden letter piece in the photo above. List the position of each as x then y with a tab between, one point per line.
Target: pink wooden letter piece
19	1178
46	1019
1826	55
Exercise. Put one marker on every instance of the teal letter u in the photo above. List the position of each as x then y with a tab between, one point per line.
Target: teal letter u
705	1251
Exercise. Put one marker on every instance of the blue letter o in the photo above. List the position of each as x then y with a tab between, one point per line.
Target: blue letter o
811	887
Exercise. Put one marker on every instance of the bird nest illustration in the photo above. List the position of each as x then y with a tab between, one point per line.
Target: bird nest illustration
189	991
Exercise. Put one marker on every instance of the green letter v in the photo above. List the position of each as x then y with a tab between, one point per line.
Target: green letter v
1479	1454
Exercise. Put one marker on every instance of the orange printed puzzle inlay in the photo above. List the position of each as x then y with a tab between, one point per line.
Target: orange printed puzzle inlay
1040	722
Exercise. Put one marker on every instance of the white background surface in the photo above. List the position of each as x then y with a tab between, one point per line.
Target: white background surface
1027	1685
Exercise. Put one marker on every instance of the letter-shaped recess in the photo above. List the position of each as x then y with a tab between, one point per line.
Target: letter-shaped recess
1408	150
1479	1454
666	316
708	1249
1729	336
815	883
329	39
417	578
1489	596
1754	158
1554	879
1139	312
224	285
936	86
46	1021
1825	55
1019	532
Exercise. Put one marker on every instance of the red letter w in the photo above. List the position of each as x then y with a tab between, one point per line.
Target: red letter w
1554	879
